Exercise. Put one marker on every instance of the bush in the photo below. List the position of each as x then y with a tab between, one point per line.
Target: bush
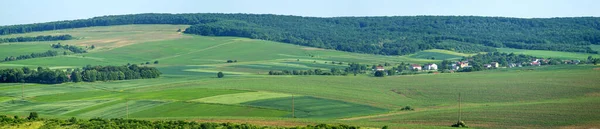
407	108
460	124
220	75
32	116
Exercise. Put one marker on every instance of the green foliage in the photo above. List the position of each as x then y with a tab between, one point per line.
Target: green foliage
220	75
88	74
38	38
407	108
48	53
460	124
379	74
33	116
71	48
376	35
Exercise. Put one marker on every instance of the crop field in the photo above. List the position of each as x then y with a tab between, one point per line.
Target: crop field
311	107
188	89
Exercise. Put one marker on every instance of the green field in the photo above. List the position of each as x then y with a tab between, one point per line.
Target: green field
439	54
527	97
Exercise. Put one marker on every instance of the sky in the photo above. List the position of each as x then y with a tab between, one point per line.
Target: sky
36	11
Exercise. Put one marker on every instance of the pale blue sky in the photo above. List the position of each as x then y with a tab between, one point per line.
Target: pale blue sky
35	11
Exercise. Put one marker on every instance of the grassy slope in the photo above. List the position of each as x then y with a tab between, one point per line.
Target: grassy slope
439	54
190	62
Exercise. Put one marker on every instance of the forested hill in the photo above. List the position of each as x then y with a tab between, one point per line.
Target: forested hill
377	35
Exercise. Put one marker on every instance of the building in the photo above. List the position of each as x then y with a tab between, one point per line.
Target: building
431	67
512	65
487	65
535	63
463	64
415	67
495	64
455	67
379	68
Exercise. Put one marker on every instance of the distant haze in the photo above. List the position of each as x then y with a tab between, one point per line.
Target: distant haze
36	11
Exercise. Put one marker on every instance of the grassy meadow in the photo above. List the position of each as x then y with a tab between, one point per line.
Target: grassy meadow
528	97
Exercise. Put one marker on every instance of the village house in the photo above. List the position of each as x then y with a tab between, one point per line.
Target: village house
463	64
487	66
495	64
431	67
455	67
535	63
415	67
379	68
512	65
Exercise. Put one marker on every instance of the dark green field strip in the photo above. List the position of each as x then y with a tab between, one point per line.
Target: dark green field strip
180	70
190	109
311	107
178	94
74	96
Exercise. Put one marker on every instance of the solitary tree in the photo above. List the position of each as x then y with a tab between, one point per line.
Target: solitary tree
93	47
32	116
220	75
156	62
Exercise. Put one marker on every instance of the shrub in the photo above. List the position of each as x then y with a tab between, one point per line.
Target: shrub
407	108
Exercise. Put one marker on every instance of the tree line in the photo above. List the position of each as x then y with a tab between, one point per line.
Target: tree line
119	123
398	35
71	48
332	71
86	74
48	53
38	38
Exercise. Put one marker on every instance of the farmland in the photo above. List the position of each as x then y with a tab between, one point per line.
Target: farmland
527	97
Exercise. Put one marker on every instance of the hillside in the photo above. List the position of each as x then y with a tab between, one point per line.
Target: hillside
375	35
188	89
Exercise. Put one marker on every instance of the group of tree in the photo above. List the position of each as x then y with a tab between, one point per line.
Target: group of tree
332	71
591	60
398	35
119	123
231	61
71	48
38	38
88	74
48	53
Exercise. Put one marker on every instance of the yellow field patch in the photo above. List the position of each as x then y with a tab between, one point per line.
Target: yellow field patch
241	97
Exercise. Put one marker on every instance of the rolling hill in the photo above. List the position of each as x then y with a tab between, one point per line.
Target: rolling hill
528	97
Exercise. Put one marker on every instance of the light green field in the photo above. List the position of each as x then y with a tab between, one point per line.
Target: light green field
241	97
439	54
548	54
533	97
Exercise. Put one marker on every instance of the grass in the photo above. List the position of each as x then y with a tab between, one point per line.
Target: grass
187	109
241	97
439	54
548	54
311	107
189	89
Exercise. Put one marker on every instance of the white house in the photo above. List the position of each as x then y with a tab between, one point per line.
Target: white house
379	68
431	67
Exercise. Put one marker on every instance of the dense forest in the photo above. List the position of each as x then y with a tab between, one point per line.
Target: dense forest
398	35
38	38
87	74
